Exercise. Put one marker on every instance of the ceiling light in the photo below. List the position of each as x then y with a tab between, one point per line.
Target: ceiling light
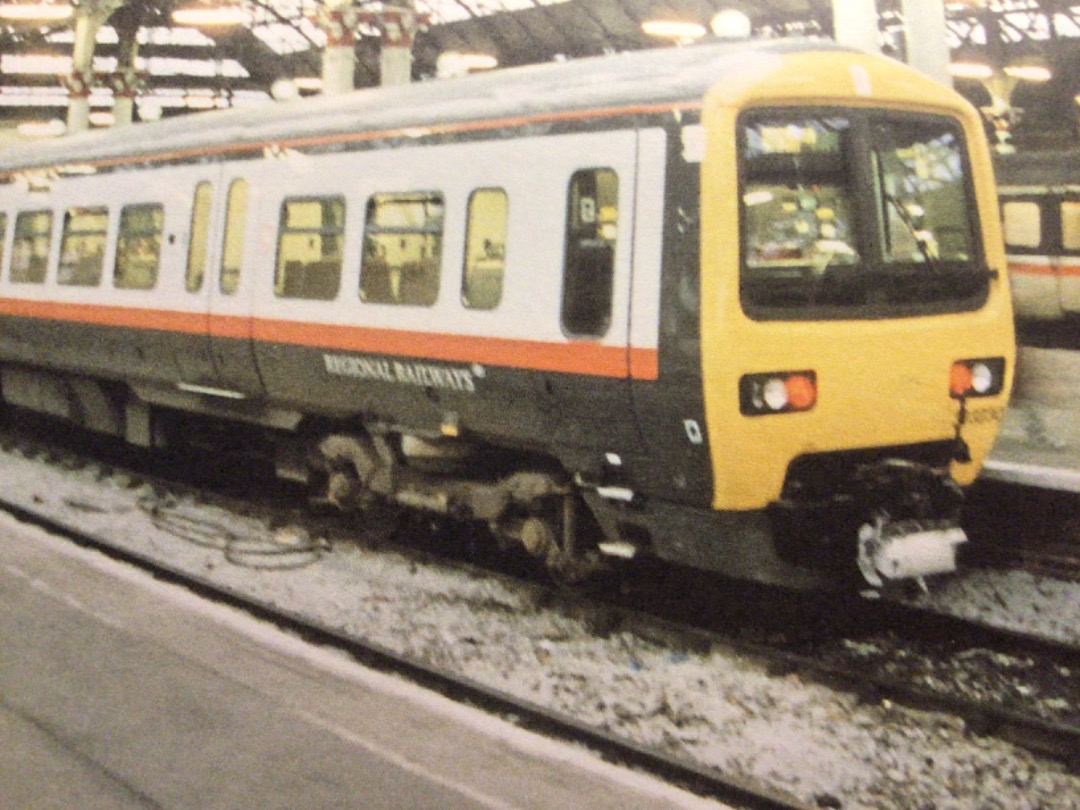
1029	73
678	30
211	15
970	70
35	12
731	24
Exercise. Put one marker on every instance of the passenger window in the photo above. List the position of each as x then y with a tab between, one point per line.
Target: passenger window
592	220
30	248
138	247
1070	225
3	236
1023	224
232	252
310	243
485	249
82	247
402	249
199	237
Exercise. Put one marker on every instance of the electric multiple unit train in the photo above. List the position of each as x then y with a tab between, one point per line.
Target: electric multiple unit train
743	307
1040	206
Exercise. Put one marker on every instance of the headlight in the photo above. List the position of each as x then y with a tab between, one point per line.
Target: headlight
982	377
777	392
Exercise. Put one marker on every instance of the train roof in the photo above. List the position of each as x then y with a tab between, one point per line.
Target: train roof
626	80
1059	167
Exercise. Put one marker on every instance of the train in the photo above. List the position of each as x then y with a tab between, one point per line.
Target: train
1038	446
1039	193
739	307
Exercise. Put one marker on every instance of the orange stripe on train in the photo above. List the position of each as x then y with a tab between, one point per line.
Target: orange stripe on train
575	357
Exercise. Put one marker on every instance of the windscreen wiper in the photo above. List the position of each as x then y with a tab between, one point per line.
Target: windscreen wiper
909	223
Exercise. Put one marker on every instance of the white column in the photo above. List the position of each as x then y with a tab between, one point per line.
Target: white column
89	15
927	49
855	23
81	80
339	22
397	25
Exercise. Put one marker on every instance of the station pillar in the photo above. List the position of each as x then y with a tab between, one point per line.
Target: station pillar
397	26
338	21
126	82
89	15
927	48
855	23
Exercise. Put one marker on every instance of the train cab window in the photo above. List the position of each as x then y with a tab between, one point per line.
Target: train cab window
198	237
592	222
310	242
796	200
138	247
232	250
1070	225
847	213
82	247
30	247
1022	221
402	253
485	248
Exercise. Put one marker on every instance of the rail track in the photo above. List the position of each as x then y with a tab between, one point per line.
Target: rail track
859	656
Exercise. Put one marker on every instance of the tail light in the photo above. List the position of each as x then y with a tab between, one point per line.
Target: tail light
984	377
777	392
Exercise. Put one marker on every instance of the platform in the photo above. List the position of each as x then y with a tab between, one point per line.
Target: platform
1039	444
118	691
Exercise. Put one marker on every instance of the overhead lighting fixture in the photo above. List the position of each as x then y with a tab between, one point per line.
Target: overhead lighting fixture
211	15
970	70
1029	73
731	24
676	30
35	12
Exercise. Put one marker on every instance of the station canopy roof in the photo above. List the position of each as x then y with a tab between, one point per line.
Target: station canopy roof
190	68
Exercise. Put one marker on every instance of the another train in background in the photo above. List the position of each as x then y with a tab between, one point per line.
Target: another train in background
1039	445
1040	207
682	303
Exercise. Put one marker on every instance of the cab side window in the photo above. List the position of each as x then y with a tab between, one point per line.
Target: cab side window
199	238
592	220
30	247
311	236
138	247
232	252
82	246
402	248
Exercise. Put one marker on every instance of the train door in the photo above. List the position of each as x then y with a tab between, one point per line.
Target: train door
232	287
193	359
1068	270
222	363
591	404
666	314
